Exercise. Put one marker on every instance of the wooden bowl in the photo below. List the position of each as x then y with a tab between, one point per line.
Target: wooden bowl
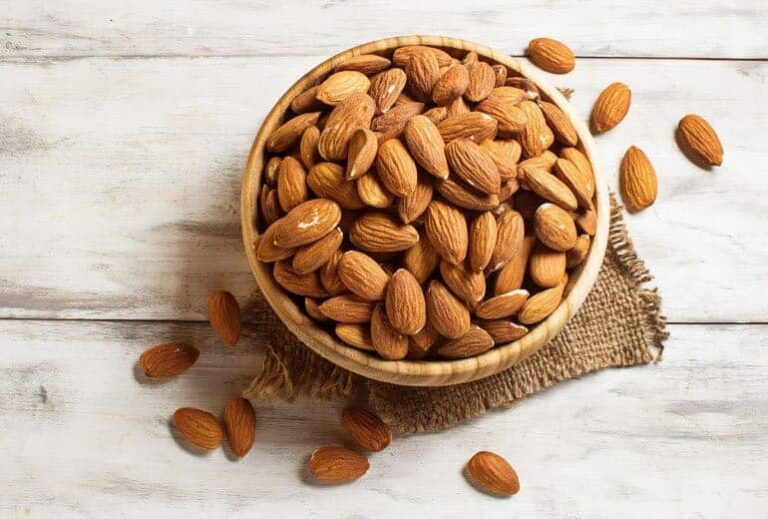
410	372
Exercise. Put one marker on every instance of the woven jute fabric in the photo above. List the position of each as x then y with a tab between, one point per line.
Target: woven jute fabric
619	325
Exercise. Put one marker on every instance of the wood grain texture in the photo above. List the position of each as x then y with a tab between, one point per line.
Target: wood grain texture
81	434
687	28
87	148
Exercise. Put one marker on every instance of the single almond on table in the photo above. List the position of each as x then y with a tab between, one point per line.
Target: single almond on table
469	286
551	55
509	238
356	335
366	429
421	260
446	313
482	241
503	305
474	342
347	309
381	232
699	136
493	474
224	316
367	64
169	359
427	146
446	228
387	341
240	423
611	107
199	427
546	266
333	464
503	331
405	304
554	227
313	256
290	132
473	165
363	276
386	87
637	180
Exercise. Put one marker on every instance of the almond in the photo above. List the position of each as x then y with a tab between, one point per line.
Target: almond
240	422
500	74
536	136
582	164
347	309
421	260
540	306
199	427
505	154
554	227
308	147
386	87
329	275
550	188
300	284
340	85
396	168
451	85
436	114
372	192
587	221
474	342
167	360
509	239
571	176
551	55
402	55
326	180
576	255
482	241
503	305
511	276
503	331
356	111
307	101
269	205
427	146
493	474
545	161
611	107
355	335
697	134
564	131
363	276
392	124
467	285
362	152
509	94
446	228
337	465
266	250
387	341
405	303
638	179
470	58
291	184
508	188
366	429
526	85
422	71
313	256
313	310
447	314
462	196
289	133
380	232
546	266
224	316
475	126
367	64
306	223
482	79
270	170
470	162
411	207
511	118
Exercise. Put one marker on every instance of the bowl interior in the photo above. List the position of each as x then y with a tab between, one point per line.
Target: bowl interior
412	372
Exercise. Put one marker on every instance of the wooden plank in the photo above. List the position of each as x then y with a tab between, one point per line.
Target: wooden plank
119	182
81	434
687	28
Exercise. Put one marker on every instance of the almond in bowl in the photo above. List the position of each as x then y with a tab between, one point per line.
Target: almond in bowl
424	210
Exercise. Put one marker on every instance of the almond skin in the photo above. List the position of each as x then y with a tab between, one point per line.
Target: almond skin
463	196
637	180
366	429
582	164
307	101
224	316
701	139
541	305
362	152
446	228
347	309
289	133
168	360
578	253
482	241
472	343
308	147
306	223
363	276
554	227
392	124
470	162
396	168
570	175
503	331
355	335
493	474
354	112
511	117
380	232
427	146
422	71
402	55
421	260
270	206
467	285
500	72
386	87
411	207
270	171
611	107
511	276
372	192
546	266
551	55
475	126
291	184
266	250
313	256
503	305
340	85
333	464
307	285
509	238
386	340
505	154
446	313
326	180
329	275
564	131
240	423
405	304
482	79
549	187
536	137
367	64
451	85
199	427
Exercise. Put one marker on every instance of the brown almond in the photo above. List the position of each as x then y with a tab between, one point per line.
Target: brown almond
289	133
450	85
611	107
509	94
554	227
500	74
508	188
387	341
536	136
391	125
467	285
266	250
511	276
356	111
306	223
333	464
347	309
482	241
549	187
700	138
446	228
546	266
386	87
169	359
199	427
482	79
326	180
307	101
463	196
573	177
329	275
427	146
551	55
367	64
381	232
421	260
578	253
340	85
475	126
470	58
587	221
363	276
502	305
270	171
411	207
474	342
313	256
436	114
355	335
224	316
240	422
291	184
362	152
582	164
366	429
503	331
492	474
308	147
403	55
505	154
405	303
564	131
473	165
372	192
422	71
526	85
509	239
307	285
541	305
396	168
545	161
312	308
511	117
446	313
638	179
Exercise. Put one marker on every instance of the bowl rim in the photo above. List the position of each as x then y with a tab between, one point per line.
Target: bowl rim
415	372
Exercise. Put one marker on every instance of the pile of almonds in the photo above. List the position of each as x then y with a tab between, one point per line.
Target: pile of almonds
425	204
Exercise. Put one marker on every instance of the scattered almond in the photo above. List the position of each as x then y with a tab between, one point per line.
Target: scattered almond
697	134
493	474
611	107
638	180
337	465
169	359
224	316
366	429
551	55
240	423
199	427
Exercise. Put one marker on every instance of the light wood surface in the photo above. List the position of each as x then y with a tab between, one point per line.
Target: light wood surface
125	129
407	372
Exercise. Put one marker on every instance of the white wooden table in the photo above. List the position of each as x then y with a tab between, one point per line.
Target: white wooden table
124	128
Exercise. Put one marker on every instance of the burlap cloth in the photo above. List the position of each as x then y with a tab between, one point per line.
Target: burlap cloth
619	325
